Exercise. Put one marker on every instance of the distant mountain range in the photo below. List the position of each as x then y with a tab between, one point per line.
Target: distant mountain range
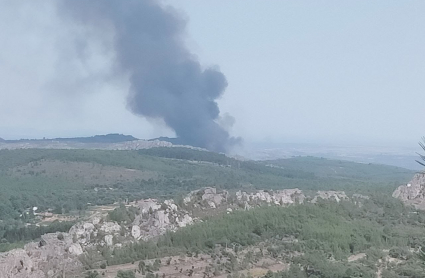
108	138
400	157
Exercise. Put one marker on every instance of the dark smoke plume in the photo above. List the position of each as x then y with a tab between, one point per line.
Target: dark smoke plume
166	80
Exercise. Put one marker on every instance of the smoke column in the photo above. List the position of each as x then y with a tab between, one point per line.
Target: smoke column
166	80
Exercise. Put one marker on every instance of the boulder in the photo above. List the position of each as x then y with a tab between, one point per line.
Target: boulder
96	220
110	228
75	249
109	240
185	221
161	219
135	231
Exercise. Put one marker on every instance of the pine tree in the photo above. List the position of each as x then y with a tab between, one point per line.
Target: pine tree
422	144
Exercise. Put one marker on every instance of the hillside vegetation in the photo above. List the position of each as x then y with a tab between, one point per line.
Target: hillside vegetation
66	180
323	240
69	181
312	240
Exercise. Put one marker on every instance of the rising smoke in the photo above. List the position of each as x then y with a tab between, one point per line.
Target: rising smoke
166	80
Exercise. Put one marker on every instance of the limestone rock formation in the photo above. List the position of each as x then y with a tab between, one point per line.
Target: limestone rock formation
154	218
412	193
207	197
184	221
109	240
76	249
331	195
135	231
157	217
279	197
82	232
56	255
110	228
148	205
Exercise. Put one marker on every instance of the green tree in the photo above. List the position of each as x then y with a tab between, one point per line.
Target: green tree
126	274
156	264
142	267
422	144
92	274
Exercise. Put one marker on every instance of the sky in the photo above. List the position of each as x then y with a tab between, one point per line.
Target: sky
335	72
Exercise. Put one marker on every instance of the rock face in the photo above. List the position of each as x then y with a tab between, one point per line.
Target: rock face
153	218
148	205
56	254
330	195
186	220
109	240
412	193
157	217
83	232
279	197
135	231
76	249
110	228
206	196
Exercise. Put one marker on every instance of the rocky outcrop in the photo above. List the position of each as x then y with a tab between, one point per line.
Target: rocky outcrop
412	193
279	197
76	249
135	232
110	228
157	217
55	254
209	198
360	196
330	195
148	205
94	232
17	263
206	197
109	240
153	218
184	221
83	233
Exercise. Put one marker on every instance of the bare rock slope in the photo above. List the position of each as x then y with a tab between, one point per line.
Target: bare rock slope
412	193
53	255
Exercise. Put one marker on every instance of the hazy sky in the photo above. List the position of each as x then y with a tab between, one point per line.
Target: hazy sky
298	71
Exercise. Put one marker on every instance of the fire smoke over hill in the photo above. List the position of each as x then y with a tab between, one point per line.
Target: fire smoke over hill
166	80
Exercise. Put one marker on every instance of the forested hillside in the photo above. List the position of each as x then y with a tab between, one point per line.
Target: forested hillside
66	180
327	239
70	181
320	238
